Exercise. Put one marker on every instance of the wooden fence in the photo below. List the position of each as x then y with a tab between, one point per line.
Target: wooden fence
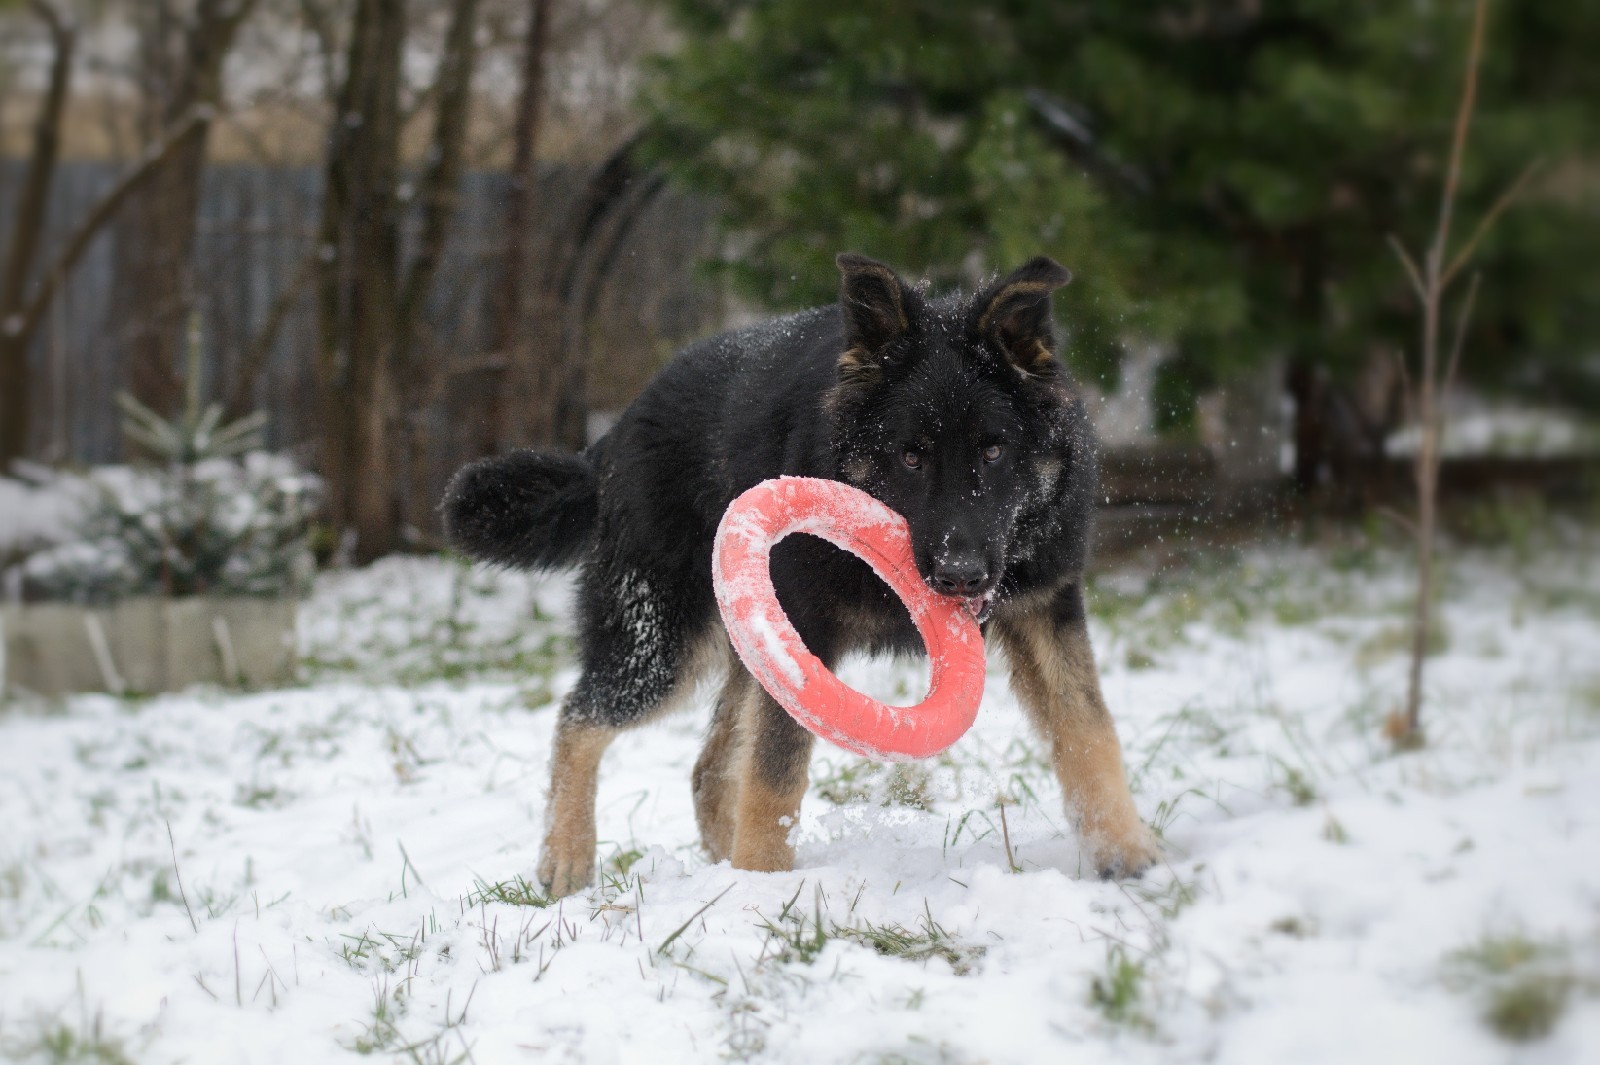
257	225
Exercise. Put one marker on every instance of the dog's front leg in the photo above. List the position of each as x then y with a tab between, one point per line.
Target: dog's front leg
566	863
1054	676
774	769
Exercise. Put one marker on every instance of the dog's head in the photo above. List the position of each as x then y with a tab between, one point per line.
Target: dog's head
957	413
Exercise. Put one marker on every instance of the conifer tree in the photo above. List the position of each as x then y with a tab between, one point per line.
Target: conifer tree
1225	175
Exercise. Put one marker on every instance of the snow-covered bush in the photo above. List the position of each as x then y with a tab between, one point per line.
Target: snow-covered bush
218	526
213	515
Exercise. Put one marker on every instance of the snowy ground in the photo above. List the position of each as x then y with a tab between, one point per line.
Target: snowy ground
320	873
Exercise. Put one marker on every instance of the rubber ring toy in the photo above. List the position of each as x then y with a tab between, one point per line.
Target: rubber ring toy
771	649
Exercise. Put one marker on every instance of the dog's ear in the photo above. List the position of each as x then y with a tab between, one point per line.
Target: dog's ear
877	308
1015	312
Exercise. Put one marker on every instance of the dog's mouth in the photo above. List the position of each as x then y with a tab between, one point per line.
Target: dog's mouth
979	606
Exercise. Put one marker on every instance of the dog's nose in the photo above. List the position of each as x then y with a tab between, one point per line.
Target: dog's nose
960	576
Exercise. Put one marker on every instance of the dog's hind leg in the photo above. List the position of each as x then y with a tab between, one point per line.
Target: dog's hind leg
566	861
715	771
644	648
1054	676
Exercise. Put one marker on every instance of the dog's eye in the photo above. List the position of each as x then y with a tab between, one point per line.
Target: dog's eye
991	453
912	459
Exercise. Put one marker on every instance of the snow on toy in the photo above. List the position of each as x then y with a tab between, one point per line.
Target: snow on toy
771	649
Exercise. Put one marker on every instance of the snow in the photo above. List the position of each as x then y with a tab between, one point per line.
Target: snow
1505	430
37	512
333	844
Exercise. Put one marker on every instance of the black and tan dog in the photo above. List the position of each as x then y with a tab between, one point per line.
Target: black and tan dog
953	411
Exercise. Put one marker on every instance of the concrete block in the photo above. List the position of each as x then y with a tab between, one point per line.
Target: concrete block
147	645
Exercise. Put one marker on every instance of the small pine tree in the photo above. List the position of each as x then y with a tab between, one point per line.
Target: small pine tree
213	515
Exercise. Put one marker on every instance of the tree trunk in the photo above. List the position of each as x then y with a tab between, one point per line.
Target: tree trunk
546	375
16	386
517	276
358	293
374	374
156	237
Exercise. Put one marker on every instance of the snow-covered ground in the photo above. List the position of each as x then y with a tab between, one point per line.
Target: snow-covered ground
334	870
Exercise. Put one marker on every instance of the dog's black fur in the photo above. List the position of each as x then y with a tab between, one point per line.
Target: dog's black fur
954	411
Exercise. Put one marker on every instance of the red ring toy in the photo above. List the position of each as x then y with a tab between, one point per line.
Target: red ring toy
771	649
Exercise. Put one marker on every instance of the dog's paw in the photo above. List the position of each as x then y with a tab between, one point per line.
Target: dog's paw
1123	854
566	866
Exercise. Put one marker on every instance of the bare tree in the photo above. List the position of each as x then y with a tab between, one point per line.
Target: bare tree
517	274
1431	282
23	305
371	368
32	205
180	73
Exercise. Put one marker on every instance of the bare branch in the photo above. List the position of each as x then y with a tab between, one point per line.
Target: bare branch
319	20
1458	141
1506	199
1080	142
1411	267
1398	518
453	86
35	195
255	358
102	213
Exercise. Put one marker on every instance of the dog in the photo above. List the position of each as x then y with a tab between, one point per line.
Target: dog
955	411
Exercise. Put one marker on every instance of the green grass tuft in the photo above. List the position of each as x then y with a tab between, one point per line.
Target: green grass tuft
1526	1008
58	1043
1524	983
1118	992
513	892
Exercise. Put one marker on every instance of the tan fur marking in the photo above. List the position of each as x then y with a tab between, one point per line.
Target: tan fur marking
1054	676
857	366
761	838
1041	357
765	811
566	862
1020	288
714	781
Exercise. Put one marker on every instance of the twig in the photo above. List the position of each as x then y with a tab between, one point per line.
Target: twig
1411	267
1005	833
1398	518
1506	199
51	277
179	876
1458	140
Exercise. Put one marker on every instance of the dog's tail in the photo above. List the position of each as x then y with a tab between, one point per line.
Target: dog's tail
526	510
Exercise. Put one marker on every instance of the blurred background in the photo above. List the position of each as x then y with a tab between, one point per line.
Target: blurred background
273	763
408	234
